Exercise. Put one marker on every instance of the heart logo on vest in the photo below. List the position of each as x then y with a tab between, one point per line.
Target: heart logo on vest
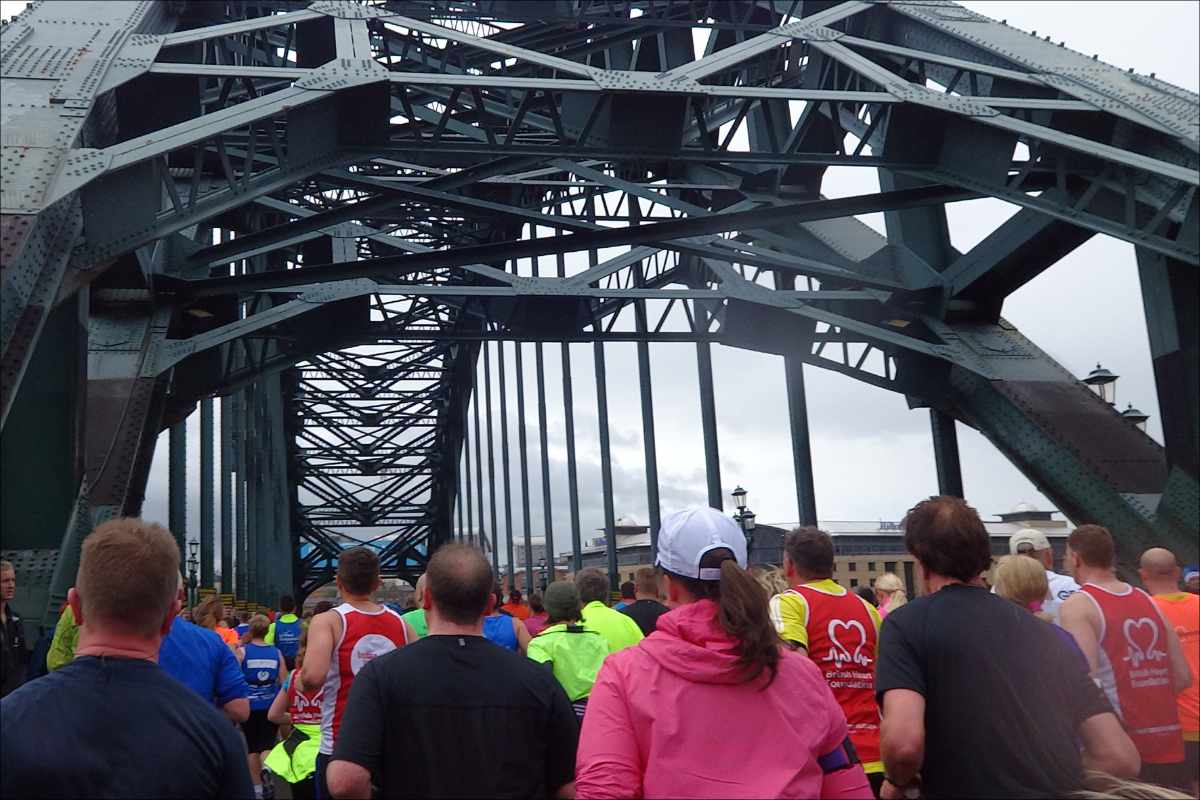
367	648
840	653
1138	632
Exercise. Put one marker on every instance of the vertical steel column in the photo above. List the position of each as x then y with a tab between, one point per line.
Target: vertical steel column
458	532
177	486
253	495
206	492
239	509
610	522
806	499
508	533
548	535
708	420
945	453
466	474
648	443
572	473
478	462
487	385
227	494
523	461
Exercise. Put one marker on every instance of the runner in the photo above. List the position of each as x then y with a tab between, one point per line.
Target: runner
573	654
264	668
619	630
285	631
1035	545
503	629
1133	653
839	631
341	641
1160	575
297	710
645	609
515	606
416	616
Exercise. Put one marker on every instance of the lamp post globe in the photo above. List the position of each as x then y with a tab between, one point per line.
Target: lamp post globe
739	498
1103	383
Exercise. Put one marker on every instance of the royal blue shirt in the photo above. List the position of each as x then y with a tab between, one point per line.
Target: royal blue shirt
499	630
197	658
260	668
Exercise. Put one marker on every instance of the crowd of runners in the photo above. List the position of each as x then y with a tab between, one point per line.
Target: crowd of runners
709	678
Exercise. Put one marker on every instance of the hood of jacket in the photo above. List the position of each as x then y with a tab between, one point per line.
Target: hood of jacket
690	642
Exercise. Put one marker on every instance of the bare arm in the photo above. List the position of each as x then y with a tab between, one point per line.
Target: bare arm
522	635
282	669
1106	746
566	791
1078	617
1180	670
278	714
320	649
348	780
902	734
237	710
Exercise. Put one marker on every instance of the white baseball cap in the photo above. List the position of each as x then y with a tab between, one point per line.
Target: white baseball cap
1027	536
685	536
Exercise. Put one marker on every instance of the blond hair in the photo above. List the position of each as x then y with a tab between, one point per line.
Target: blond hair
1102	786
128	575
771	578
1022	580
897	596
259	625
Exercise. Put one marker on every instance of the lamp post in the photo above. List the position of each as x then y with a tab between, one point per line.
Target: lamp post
1138	418
744	517
1103	383
193	562
542	573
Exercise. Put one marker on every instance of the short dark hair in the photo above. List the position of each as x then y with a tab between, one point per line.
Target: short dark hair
647	580
811	550
1094	545
593	585
358	569
948	538
535	602
628	589
287	604
459	581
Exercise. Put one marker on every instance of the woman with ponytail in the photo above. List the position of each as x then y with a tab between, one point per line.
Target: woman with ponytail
710	704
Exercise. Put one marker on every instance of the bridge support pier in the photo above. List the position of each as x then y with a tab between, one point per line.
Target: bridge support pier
708	422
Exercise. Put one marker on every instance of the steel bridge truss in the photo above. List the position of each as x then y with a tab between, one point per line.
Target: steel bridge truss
322	213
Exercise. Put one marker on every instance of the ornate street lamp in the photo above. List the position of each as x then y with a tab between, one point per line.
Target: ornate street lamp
744	516
193	562
1103	383
543	572
739	498
1135	416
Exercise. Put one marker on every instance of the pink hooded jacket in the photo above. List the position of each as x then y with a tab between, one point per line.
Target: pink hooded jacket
670	718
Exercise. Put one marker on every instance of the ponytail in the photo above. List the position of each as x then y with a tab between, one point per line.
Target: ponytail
742	612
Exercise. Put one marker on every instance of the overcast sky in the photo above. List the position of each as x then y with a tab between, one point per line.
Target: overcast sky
872	456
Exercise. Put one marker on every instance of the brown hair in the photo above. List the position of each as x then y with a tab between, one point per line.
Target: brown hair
358	570
646	580
592	585
811	551
459	581
128	575
743	612
948	538
208	607
1094	546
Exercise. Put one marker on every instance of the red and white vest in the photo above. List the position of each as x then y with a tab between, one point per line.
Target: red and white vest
842	641
365	636
1135	672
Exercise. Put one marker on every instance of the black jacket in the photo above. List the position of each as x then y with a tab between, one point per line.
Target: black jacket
14	652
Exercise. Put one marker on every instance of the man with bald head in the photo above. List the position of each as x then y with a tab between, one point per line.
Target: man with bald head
1159	571
453	715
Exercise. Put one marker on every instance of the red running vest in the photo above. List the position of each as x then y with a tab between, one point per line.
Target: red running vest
1135	672
304	707
364	637
842	641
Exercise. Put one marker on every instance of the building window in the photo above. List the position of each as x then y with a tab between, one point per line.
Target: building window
889	566
852	566
853	582
870	566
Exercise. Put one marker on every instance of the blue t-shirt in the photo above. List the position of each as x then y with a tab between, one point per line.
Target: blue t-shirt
196	657
499	630
241	629
260	667
117	727
287	635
